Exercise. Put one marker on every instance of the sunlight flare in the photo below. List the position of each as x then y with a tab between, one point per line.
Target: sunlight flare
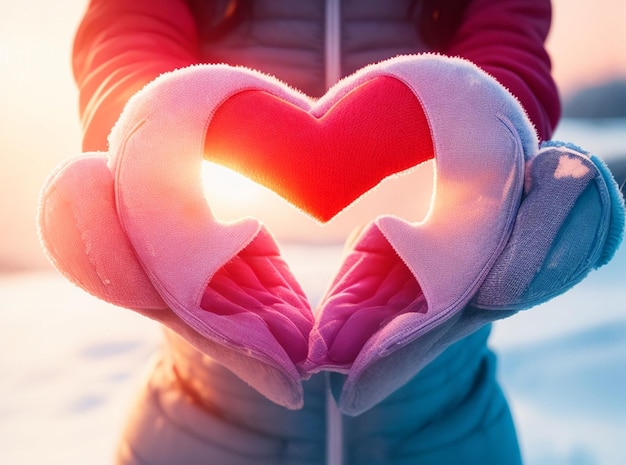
228	189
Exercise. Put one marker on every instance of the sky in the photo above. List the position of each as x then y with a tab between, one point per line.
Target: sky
38	101
587	42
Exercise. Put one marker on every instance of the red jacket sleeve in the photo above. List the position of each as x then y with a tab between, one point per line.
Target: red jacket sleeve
120	46
506	39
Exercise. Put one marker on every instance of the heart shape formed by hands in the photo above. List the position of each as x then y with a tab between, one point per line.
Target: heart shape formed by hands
224	287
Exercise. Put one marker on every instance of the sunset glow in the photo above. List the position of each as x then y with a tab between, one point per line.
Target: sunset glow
227	189
232	196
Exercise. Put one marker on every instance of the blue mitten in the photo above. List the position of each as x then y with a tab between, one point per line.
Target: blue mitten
570	222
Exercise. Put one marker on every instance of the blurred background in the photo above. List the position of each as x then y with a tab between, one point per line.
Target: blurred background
70	363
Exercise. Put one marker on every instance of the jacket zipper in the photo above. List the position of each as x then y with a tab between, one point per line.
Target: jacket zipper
332	45
334	429
332	64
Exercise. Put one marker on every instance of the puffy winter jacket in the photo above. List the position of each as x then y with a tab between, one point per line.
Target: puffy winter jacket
121	45
193	411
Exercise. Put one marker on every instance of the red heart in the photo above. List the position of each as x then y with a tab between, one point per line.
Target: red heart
321	164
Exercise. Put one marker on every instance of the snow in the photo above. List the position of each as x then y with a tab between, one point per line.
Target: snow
563	368
68	369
